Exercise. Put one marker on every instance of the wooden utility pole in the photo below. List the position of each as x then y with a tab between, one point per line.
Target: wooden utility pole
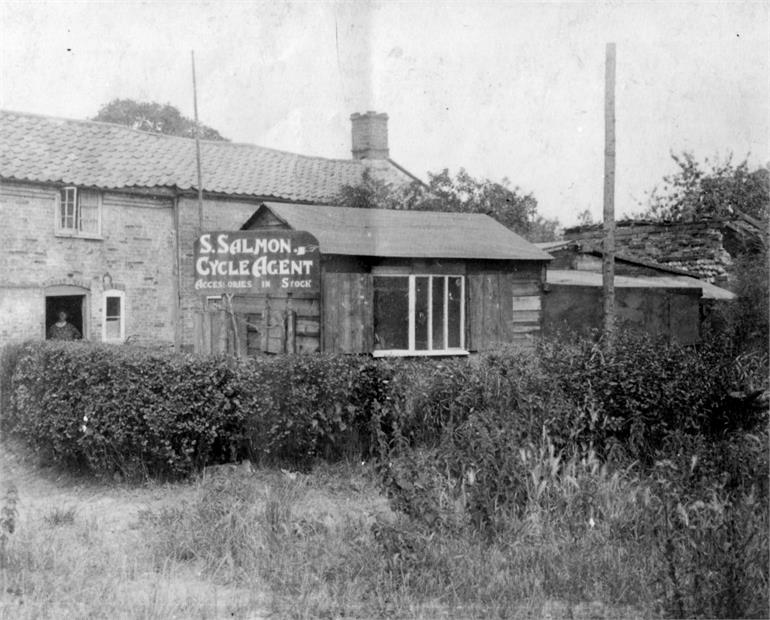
197	147
608	262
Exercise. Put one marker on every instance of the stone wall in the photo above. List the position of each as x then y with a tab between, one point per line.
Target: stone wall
696	247
136	254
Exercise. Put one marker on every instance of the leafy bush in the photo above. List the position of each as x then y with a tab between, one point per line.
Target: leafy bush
645	450
429	398
299	408
139	412
640	392
746	322
126	410
142	413
9	357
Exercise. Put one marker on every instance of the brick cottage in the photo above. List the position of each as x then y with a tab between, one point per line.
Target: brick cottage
101	221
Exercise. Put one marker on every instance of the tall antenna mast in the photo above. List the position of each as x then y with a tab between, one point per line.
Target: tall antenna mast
197	145
608	260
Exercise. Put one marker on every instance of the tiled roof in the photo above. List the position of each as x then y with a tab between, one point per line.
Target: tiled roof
88	153
405	234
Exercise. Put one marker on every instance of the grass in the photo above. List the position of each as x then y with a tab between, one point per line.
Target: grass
270	543
324	546
77	572
73	549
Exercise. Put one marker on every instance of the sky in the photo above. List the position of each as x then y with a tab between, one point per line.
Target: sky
504	89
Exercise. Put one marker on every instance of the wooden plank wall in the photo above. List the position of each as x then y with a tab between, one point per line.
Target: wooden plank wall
260	326
210	333
503	308
347	313
672	313
267	320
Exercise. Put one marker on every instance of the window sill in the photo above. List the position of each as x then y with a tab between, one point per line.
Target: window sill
406	353
76	235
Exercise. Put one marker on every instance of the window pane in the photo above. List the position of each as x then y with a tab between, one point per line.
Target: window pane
438	312
113	307
391	312
89	211
455	306
112	329
67	207
88	198
421	313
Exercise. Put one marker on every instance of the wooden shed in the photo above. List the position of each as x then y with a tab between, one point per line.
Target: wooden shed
657	299
391	283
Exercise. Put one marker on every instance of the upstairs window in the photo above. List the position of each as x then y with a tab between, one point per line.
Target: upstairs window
79	212
114	325
419	315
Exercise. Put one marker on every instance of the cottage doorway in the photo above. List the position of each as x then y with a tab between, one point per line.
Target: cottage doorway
73	305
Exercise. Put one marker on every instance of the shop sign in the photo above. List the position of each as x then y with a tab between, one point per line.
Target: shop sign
250	262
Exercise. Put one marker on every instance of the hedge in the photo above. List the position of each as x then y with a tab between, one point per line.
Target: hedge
141	412
124	409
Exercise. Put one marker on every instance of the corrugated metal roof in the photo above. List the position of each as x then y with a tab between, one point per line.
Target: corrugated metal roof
573	277
405	234
88	153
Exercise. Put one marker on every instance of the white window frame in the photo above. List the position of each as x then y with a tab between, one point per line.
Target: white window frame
122	296
76	229
412	351
214	302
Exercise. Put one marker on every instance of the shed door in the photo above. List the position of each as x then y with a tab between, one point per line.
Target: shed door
347	313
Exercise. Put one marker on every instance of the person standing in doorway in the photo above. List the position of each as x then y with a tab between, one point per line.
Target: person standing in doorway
62	329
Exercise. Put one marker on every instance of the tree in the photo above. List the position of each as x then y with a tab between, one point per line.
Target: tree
459	194
585	218
154	118
374	193
723	190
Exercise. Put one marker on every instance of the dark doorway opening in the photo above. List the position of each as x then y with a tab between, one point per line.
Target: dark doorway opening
71	304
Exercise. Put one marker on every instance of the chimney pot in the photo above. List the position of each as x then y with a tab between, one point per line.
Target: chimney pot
369	134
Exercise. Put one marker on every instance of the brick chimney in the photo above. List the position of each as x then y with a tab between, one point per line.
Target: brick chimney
369	135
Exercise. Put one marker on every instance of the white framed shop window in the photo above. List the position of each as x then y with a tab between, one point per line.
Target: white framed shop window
422	314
